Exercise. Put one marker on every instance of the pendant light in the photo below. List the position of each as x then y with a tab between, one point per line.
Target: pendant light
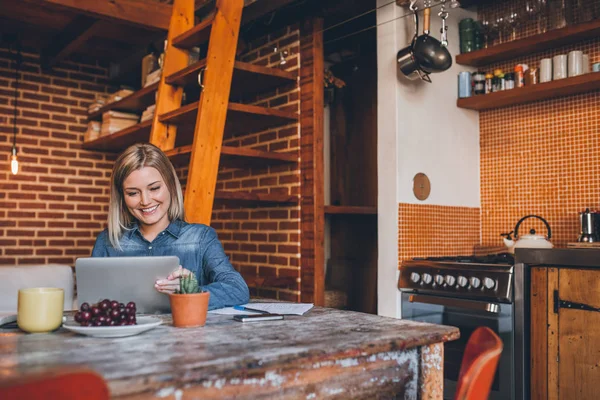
14	162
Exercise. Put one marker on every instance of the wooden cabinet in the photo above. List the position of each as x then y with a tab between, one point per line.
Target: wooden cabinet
565	333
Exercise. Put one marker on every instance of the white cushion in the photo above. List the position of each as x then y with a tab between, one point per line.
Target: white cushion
13	278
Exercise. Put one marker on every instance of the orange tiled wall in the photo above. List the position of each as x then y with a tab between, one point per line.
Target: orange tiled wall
540	158
432	230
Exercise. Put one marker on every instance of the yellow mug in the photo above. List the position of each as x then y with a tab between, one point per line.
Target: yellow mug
40	309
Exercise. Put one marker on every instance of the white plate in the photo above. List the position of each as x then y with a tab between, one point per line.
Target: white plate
143	324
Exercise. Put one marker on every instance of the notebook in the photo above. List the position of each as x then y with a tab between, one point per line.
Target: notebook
125	279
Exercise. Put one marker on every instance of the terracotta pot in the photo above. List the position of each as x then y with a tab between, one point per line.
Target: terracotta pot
189	310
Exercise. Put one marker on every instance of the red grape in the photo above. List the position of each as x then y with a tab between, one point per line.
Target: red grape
107	313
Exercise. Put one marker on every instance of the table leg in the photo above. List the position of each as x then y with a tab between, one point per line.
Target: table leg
431	374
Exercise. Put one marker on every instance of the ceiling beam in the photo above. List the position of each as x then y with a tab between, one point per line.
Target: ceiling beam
147	14
69	40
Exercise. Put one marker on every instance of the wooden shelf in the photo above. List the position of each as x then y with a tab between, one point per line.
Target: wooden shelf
531	44
236	157
350	210
246	199
247	78
135	102
241	118
528	94
195	36
120	140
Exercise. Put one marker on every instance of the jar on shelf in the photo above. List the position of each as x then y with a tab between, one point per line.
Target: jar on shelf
466	33
519	76
488	83
509	80
478	83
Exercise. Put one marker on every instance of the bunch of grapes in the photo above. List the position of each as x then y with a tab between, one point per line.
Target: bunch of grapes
106	313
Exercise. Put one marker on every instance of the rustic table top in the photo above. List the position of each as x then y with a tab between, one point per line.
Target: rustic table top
167	358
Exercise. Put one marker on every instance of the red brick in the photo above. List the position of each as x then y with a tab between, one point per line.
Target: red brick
288	249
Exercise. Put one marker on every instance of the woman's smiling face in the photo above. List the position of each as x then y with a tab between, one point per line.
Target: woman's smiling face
147	198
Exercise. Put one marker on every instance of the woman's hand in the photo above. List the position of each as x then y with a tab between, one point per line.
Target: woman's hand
171	283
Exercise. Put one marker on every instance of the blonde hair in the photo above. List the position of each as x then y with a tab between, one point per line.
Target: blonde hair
136	157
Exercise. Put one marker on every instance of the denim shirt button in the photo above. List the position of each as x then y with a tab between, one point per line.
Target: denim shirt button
149	247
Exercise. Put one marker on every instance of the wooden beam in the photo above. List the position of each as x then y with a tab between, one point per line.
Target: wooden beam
69	40
312	206
212	112
168	97
148	14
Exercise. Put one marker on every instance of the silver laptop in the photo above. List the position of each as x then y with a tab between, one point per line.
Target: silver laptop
124	279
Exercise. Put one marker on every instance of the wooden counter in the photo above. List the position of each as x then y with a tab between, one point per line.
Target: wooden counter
324	354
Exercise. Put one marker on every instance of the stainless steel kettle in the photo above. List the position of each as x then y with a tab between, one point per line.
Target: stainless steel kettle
590	226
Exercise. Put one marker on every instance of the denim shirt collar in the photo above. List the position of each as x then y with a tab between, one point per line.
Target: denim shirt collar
174	228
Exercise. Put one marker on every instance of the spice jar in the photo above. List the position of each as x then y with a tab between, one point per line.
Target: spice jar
479	83
519	76
488	83
509	80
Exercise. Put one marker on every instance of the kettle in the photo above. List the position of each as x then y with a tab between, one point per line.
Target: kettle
532	240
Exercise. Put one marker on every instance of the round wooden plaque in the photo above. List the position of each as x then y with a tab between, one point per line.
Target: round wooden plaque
421	186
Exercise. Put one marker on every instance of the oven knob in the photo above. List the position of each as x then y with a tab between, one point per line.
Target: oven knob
427	278
489	283
462	281
475	282
439	280
450	280
415	277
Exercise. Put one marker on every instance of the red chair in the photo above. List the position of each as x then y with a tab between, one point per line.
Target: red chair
478	365
63	384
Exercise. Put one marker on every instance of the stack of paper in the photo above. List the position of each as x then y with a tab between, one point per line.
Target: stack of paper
271	308
93	131
148	113
114	121
119	95
153	77
98	103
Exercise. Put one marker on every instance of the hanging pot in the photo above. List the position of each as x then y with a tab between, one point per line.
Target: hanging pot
407	62
429	52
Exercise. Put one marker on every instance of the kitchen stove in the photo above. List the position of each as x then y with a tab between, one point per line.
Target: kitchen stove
488	277
468	292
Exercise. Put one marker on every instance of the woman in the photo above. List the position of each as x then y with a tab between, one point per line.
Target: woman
146	218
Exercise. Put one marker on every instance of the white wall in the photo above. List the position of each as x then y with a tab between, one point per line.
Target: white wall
420	129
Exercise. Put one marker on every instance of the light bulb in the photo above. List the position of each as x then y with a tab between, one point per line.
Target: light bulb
14	164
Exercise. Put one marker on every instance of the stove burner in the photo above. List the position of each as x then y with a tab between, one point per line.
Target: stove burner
500	258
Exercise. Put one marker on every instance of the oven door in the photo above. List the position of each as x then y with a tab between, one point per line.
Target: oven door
467	315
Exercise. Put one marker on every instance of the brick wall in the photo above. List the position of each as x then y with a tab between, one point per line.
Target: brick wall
52	210
264	242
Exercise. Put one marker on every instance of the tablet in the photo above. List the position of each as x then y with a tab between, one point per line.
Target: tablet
125	279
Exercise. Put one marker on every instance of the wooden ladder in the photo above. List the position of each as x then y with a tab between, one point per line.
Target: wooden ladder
222	27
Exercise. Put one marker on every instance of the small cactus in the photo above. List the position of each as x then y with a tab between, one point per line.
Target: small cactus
188	284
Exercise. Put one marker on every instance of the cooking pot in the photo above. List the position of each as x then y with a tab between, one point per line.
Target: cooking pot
429	52
407	61
532	240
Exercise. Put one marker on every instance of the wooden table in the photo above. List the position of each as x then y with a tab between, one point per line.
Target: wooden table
326	353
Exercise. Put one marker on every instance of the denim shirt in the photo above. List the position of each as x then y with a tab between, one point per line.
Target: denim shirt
199	250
